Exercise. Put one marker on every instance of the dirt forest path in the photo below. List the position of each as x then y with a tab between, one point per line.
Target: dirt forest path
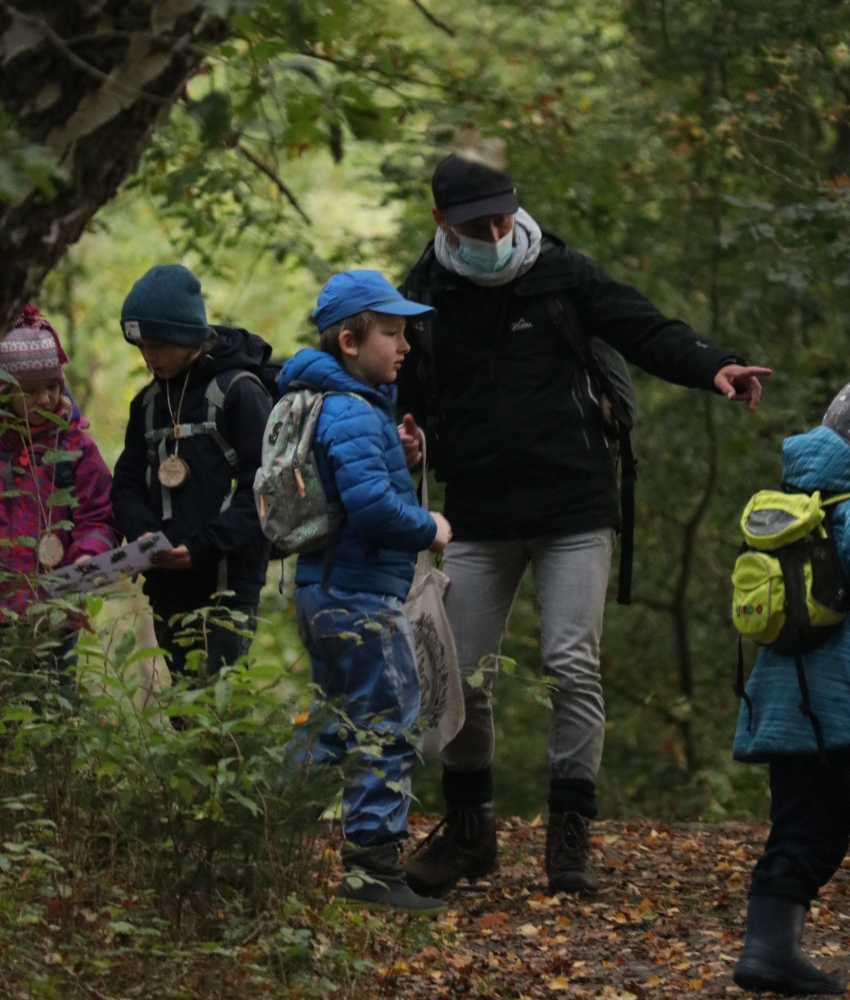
668	920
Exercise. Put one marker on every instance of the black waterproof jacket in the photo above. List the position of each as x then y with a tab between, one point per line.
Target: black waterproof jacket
198	521
517	429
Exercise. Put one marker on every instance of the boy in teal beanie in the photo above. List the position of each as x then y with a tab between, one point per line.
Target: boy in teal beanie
192	448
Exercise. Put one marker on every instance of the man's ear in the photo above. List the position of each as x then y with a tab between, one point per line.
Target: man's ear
347	344
440	218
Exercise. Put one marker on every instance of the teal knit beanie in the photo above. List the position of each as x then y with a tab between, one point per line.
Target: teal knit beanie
166	305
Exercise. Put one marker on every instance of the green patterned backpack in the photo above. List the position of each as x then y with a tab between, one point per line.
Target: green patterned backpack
790	592
294	512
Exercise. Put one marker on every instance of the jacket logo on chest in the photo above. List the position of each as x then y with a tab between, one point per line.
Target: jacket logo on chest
520	324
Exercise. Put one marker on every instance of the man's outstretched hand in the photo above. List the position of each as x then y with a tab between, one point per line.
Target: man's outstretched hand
741	384
411	440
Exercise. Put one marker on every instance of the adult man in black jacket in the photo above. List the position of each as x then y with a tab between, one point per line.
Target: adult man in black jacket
519	435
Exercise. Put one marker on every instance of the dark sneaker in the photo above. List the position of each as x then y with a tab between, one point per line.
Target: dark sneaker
567	841
373	877
772	959
463	845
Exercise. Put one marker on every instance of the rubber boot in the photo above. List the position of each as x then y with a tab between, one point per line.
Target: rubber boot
374	877
567	842
772	959
462	845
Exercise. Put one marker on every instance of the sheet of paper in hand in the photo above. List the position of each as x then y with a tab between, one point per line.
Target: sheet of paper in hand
108	567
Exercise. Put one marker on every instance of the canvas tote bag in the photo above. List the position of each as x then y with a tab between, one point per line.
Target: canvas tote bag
441	692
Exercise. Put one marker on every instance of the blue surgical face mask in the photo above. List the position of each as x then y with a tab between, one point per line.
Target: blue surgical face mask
485	256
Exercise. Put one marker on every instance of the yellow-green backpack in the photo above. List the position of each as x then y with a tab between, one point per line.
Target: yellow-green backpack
789	587
790	591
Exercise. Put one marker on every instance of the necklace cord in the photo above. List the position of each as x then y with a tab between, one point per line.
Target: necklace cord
176	420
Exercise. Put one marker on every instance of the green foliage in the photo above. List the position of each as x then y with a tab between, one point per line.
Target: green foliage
701	152
24	165
132	851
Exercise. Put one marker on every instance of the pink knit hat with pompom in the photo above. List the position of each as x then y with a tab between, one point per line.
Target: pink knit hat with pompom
31	349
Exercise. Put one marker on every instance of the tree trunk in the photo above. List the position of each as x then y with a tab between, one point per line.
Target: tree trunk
88	81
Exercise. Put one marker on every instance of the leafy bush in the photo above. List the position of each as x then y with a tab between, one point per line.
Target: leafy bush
127	841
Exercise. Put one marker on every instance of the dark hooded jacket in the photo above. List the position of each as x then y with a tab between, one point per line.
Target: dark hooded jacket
198	521
517	430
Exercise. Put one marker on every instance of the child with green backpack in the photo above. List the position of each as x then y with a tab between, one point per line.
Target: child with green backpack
791	597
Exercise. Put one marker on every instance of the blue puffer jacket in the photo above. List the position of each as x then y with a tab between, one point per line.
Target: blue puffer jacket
361	462
819	460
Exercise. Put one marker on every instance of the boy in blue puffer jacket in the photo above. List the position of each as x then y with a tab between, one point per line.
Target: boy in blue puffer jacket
810	792
355	630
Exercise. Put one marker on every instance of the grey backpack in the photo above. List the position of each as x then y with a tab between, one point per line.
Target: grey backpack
294	512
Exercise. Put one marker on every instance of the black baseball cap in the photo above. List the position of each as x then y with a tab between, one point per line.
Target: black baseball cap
465	190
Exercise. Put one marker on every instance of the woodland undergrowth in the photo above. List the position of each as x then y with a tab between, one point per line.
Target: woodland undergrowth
174	849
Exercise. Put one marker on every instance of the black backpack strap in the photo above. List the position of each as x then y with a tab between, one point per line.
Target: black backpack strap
157	439
806	704
628	477
216	396
567	319
740	689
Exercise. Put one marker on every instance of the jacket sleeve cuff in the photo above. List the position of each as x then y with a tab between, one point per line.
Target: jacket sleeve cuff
730	359
199	552
431	532
92	544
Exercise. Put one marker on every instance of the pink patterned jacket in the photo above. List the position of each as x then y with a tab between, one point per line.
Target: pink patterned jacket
22	516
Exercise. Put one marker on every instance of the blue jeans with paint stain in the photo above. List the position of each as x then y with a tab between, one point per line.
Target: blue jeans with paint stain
361	650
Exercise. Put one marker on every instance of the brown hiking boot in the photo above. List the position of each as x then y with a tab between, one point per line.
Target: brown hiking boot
463	845
567	840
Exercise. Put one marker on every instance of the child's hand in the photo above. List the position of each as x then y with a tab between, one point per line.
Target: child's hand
444	533
411	440
177	558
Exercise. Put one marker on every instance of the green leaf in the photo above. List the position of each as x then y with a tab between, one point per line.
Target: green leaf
125	648
56	455
252	807
223	693
63	497
476	679
213	114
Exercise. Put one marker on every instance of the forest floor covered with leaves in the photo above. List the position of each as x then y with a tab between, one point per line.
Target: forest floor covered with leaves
668	920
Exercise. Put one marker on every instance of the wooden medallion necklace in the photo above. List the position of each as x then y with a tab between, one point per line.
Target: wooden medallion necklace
173	471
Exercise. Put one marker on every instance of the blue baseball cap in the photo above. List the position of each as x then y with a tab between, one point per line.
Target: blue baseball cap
351	292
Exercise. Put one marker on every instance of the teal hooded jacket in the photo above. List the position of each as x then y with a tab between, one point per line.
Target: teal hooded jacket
819	460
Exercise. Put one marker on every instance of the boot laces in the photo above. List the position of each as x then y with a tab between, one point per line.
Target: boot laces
570	841
457	826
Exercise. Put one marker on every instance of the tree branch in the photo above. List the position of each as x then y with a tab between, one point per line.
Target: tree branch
62	46
275	178
434	20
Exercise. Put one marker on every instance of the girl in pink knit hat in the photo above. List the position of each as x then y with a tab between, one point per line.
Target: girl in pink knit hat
54	485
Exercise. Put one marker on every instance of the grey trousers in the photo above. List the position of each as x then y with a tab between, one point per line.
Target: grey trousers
570	581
